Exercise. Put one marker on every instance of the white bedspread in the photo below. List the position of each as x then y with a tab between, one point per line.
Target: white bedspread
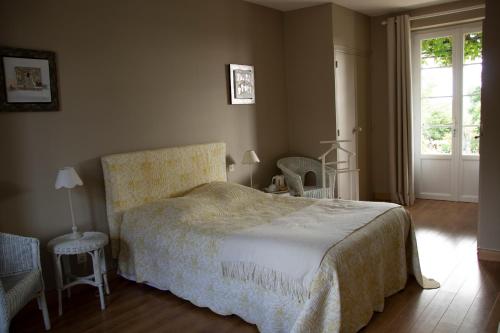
176	245
286	253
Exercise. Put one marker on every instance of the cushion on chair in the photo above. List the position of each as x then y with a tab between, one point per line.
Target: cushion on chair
20	289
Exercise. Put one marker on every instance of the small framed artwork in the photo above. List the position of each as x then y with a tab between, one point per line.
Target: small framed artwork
28	80
242	84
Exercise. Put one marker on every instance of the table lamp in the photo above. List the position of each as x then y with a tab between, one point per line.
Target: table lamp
68	178
250	158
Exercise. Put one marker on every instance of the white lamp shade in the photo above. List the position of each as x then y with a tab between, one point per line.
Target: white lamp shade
67	178
250	157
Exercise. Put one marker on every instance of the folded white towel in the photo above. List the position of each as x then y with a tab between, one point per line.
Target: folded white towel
286	254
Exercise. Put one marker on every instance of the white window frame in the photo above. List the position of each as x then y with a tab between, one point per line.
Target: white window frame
456	156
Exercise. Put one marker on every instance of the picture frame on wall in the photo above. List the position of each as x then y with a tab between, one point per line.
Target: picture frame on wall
242	81
28	80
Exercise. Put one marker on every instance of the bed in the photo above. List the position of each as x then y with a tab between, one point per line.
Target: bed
285	264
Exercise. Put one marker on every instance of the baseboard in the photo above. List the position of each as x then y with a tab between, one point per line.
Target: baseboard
382	196
488	255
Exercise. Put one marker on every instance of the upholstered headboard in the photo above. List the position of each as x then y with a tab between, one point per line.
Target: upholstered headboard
134	179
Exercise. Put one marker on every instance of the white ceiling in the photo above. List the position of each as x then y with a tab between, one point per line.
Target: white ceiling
368	7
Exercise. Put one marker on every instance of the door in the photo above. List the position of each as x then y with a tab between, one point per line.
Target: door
345	109
447	101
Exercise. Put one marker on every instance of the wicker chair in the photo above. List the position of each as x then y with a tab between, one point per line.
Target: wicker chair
295	170
20	278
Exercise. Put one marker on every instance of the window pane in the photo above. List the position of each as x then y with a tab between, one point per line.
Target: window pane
473	48
470	145
436	111
436	52
436	82
472	110
472	79
471	106
436	140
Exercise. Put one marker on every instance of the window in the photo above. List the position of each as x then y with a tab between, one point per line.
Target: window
438	91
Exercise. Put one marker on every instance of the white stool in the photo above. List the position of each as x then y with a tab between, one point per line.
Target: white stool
92	243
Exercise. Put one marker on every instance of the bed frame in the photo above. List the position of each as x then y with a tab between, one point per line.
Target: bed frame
137	178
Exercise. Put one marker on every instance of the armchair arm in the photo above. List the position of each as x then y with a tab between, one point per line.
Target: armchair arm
293	180
18	254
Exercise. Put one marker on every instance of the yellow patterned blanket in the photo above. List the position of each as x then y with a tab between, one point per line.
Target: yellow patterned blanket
175	244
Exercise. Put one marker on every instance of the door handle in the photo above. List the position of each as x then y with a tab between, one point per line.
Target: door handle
357	129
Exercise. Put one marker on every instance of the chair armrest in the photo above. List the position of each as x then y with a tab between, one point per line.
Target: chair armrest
18	254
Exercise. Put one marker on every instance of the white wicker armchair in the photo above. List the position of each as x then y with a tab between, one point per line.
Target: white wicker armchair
295	170
20	278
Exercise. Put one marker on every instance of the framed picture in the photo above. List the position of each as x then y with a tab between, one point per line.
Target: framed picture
28	80
242	84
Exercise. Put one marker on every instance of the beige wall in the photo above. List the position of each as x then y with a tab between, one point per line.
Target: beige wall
351	29
379	93
309	79
489	176
132	77
379	110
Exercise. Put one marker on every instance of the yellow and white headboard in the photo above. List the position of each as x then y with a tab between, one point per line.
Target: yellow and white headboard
137	178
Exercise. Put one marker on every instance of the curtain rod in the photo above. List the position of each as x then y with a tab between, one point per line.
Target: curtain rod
446	12
471	20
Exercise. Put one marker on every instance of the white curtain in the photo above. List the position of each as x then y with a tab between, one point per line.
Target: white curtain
400	116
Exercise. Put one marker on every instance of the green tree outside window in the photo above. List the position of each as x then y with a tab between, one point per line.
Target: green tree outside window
440	49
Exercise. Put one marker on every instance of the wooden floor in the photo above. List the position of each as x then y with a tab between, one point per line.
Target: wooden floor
468	301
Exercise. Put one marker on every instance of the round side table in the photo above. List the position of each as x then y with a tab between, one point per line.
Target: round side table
92	243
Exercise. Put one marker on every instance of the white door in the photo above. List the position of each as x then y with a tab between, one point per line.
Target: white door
447	67
345	109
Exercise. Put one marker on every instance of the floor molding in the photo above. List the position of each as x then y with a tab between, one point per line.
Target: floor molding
488	255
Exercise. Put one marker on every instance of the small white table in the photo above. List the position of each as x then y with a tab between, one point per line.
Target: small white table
92	243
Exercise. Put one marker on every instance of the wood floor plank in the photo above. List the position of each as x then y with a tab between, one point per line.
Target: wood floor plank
493	322
474	321
432	314
394	305
406	315
455	314
459	307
